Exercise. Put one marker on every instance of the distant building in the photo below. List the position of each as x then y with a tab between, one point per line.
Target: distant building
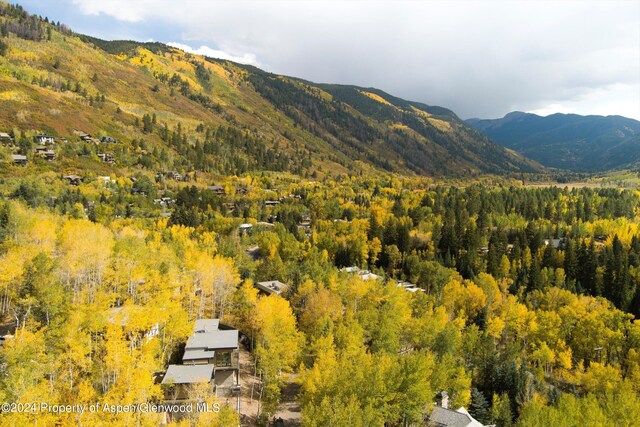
176	176
106	158
245	228
108	139
19	159
367	275
43	139
217	189
271	287
556	243
410	287
106	179
73	179
46	154
363	274
83	136
5	138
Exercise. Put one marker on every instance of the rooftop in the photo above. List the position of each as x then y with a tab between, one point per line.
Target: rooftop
206	325
188	374
215	340
443	417
197	354
272	287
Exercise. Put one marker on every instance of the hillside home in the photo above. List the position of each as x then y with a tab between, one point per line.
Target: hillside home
108	139
106	158
19	159
363	274
73	179
43	139
215	345
271	287
556	243
46	154
410	287
217	189
5	138
181	378
245	228
174	175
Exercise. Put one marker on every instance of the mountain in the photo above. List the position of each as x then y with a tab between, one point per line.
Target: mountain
568	141
171	109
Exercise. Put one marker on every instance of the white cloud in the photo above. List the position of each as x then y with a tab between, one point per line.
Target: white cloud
602	101
122	10
247	58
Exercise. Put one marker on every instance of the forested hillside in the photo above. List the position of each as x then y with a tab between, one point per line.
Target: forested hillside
568	141
54	81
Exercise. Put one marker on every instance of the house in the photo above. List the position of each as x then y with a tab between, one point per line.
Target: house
43	139
254	252
271	202
245	228
367	275
174	175
265	224
217	189
215	345
19	159
442	416
242	190
271	287
83	136
363	274
106	158
106	179
108	139
73	179
556	243
5	138
45	153
410	287
182	377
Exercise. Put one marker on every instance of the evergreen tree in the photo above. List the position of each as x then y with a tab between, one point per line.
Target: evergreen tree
479	407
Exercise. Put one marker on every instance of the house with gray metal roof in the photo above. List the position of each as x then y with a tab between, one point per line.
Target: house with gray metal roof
188	374
179	380
215	345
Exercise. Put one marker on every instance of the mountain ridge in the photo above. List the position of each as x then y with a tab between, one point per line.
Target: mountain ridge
57	81
568	141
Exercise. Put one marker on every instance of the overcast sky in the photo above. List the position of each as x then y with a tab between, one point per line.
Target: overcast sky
479	58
